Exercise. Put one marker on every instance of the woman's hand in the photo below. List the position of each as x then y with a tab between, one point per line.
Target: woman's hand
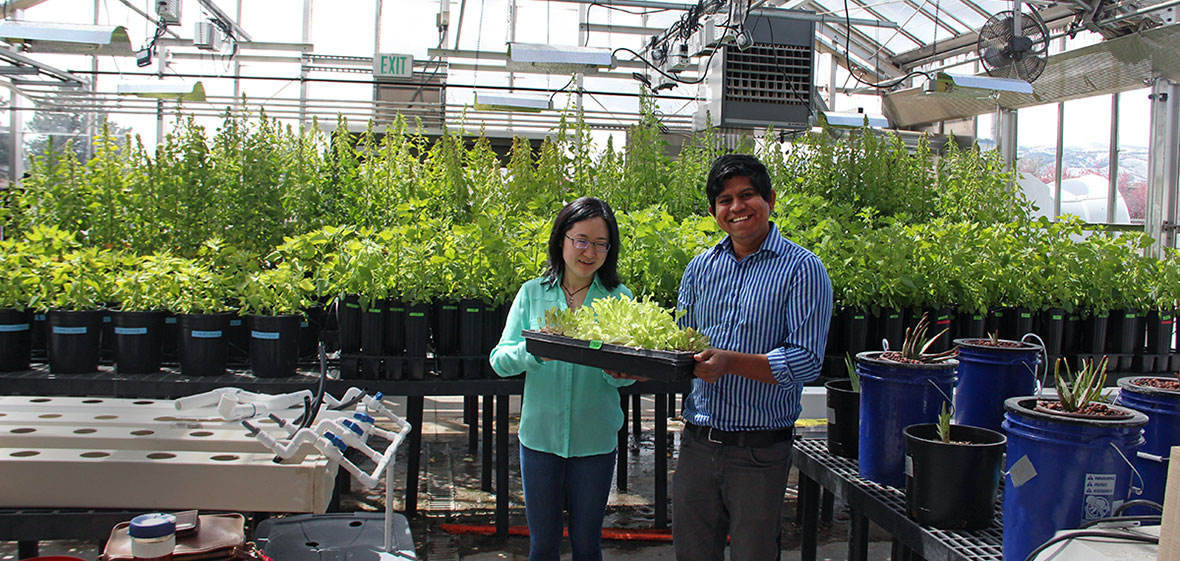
625	376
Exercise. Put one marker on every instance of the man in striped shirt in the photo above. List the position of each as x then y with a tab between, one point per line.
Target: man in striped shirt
765	303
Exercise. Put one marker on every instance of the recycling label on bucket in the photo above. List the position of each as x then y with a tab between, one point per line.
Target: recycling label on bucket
1098	496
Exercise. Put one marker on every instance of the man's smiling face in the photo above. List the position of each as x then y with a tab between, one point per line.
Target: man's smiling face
742	212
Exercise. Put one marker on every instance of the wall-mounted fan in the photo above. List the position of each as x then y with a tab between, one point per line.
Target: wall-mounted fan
1009	49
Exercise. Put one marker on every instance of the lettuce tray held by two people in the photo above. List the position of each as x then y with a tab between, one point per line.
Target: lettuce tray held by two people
636	337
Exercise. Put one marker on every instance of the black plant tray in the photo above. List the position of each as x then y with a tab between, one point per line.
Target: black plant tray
657	365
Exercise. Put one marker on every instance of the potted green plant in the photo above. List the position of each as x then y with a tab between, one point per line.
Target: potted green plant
898	389
145	290
952	473
202	308
18	298
272	301
73	287
1068	457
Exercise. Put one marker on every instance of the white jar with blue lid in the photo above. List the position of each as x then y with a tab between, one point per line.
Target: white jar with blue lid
153	536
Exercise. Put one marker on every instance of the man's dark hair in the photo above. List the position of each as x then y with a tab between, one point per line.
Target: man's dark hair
736	165
581	209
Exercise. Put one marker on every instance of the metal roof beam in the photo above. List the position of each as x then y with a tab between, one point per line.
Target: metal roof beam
965	42
822	45
921	9
859	50
66	77
880	16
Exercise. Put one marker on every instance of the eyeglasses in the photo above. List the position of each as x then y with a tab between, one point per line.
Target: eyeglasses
583	244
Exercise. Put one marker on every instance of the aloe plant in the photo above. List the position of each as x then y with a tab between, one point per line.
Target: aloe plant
916	343
853	376
944	424
1076	391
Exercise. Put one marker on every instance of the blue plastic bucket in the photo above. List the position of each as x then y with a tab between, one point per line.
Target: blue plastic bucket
893	396
1162	432
989	375
1063	470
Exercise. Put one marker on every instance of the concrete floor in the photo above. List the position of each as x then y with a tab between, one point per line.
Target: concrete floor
449	493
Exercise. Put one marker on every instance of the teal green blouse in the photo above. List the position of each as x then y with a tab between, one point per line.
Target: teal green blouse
568	409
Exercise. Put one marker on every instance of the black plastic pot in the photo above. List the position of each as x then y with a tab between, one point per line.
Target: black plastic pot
446	339
970	325
997	322
395	339
106	347
309	332
170	337
1052	330
16	339
372	339
1071	333
855	324
953	485
139	341
237	340
843	418
74	341
202	344
940	319
274	345
1124	332
891	326
417	331
835	345
1020	322
40	335
348	323
1159	331
1092	339
493	327
471	337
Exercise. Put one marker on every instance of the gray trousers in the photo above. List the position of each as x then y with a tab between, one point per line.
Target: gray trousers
721	490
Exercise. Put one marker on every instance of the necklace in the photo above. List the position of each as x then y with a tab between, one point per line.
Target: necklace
569	296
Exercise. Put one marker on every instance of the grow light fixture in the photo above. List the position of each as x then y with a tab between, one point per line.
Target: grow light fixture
164	90
974	86
850	120
534	57
511	102
67	38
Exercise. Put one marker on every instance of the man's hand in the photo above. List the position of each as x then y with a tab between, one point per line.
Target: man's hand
711	364
626	376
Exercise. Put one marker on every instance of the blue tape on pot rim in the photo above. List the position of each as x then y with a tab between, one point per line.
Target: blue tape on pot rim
59	330
199	334
272	335
14	327
130	331
154	525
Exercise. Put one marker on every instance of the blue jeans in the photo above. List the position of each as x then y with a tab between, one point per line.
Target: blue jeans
551	481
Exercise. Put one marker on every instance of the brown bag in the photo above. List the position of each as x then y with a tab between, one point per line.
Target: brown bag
217	537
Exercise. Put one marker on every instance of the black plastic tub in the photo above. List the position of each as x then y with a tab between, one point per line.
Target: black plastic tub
138	341
657	365
16	329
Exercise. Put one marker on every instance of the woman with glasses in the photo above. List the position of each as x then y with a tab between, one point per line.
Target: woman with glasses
570	414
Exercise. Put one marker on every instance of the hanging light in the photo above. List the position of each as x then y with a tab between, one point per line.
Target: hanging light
179	91
67	38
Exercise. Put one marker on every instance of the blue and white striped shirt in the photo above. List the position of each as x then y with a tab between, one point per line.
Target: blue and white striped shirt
777	302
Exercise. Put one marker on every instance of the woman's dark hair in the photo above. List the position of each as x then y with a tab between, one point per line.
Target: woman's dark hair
581	209
736	165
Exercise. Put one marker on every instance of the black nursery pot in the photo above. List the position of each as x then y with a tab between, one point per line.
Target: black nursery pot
970	325
309	332
1159	331
953	485
16	339
1093	335
1052	330
1020	321
274	345
494	318
855	323
202	345
417	330
395	339
891	326
237	339
471	337
372	339
74	341
1124	332
446	339
139	341
843	418
348	324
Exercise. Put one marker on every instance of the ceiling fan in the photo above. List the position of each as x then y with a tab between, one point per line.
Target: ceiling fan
1014	44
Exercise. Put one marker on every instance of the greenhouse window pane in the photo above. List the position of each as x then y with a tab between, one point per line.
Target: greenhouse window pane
1036	154
1085	165
1134	123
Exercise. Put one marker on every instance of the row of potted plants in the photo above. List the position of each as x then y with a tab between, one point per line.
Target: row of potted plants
1074	450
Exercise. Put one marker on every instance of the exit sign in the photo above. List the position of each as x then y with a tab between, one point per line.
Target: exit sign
387	65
